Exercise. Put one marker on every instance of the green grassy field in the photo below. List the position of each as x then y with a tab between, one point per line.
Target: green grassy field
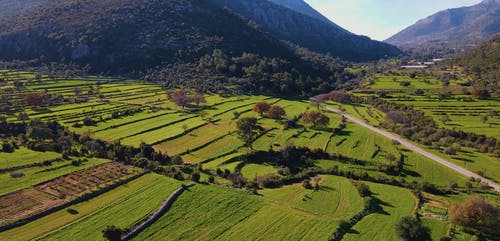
393	82
36	175
61	218
211	213
396	203
24	156
125	206
336	198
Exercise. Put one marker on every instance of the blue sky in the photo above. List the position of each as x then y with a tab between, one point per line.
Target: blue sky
380	19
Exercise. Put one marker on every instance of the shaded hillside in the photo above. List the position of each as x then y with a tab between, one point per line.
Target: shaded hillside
309	32
459	27
125	35
10	8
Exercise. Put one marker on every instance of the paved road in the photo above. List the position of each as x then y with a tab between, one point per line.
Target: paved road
416	149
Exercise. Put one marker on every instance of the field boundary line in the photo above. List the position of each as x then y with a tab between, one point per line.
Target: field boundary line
160	212
82	198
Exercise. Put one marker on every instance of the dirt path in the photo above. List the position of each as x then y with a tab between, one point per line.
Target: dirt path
416	149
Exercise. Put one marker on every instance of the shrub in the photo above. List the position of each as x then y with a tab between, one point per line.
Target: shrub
450	151
410	229
306	183
112	233
405	83
195	177
17	175
363	189
7	147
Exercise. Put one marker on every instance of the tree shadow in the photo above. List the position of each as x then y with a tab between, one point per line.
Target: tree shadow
463	159
411	173
353	231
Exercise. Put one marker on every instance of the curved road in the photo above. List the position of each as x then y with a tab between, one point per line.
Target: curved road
416	149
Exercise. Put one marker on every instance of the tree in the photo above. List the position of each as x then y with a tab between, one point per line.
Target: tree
195	177
261	107
179	97
476	213
316	118
480	93
450	151
445	118
410	229
198	98
276	112
340	96
23	116
363	189
405	83
395	117
247	129
33	99
484	118
112	233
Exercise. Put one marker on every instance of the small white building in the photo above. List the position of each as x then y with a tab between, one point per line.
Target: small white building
414	66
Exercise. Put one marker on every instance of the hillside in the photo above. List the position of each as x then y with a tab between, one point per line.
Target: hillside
10	8
302	7
122	36
459	27
296	22
481	64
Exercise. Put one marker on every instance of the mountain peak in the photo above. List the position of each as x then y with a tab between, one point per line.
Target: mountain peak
455	28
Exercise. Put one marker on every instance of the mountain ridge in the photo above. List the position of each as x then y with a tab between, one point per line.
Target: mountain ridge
457	27
309	32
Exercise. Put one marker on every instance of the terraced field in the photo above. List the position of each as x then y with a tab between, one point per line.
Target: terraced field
396	203
136	112
118	205
210	213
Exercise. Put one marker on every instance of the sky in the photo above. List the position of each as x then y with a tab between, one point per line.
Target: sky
380	19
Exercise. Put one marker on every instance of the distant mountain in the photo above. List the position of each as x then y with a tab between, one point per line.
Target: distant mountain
457	27
296	22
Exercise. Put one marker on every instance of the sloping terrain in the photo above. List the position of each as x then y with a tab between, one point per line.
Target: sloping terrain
454	27
308	31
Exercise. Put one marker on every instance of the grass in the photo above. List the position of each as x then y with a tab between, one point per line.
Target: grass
138	127
202	213
336	198
61	218
393	82
438	228
211	213
223	146
252	170
131	205
24	156
197	138
396	203
161	134
36	175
